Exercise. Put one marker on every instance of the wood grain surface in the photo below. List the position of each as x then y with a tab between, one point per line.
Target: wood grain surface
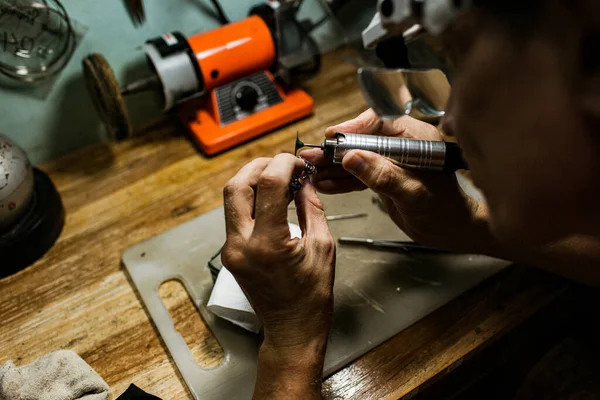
79	297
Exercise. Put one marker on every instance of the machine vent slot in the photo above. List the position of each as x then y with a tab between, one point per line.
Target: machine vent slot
226	108
268	88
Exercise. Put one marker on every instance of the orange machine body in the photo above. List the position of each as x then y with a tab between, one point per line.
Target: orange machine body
233	51
212	137
228	57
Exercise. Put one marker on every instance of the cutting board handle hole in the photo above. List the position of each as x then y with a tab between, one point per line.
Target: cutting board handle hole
203	345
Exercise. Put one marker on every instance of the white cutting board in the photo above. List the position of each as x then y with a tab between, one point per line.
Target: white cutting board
377	293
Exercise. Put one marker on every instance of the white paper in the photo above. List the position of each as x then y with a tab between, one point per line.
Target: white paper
229	302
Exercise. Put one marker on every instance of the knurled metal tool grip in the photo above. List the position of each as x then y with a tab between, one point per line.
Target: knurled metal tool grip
411	153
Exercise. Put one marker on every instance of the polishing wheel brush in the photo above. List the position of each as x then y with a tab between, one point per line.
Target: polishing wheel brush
31	211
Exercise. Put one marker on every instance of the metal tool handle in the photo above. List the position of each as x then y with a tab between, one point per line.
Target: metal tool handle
412	153
405	246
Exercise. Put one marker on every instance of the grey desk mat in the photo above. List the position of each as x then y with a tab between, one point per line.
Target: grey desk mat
377	293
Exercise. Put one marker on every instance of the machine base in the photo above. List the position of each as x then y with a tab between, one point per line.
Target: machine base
213	136
36	231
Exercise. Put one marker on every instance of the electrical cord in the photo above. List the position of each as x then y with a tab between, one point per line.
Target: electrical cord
222	17
320	22
306	37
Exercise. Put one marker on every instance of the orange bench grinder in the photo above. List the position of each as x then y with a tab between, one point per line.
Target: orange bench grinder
219	82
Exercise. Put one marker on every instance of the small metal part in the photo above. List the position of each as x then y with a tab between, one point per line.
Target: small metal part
309	169
300	144
295	185
149	83
391	244
346	216
395	17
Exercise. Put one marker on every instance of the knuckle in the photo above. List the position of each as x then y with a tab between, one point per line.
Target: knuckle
384	181
415	189
316	204
325	242
374	125
263	249
231	256
271	180
369	121
230	188
284	156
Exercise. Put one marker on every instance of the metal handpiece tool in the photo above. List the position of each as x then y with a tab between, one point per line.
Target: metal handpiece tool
391	244
346	216
409	153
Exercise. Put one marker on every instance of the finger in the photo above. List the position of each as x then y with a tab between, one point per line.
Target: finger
375	171
334	172
311	214
273	195
316	157
367	123
238	197
411	128
339	186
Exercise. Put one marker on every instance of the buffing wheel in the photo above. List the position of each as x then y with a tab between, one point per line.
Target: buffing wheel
36	231
106	94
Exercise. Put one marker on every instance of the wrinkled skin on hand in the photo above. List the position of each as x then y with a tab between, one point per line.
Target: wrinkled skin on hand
430	207
288	281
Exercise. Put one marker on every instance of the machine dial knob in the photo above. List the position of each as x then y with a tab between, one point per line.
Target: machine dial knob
247	98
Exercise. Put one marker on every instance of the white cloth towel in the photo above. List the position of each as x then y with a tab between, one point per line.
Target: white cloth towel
61	375
229	302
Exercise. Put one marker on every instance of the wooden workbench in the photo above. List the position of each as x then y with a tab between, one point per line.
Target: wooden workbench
78	296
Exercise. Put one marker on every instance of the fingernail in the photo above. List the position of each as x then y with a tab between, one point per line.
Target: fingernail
356	164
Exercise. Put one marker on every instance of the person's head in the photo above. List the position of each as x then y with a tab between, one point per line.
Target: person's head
525	108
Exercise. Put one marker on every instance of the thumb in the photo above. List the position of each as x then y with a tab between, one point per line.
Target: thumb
311	215
378	173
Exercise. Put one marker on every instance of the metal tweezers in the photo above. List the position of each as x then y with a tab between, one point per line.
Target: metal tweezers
391	244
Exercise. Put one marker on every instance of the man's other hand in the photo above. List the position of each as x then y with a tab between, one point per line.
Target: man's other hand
289	282
430	207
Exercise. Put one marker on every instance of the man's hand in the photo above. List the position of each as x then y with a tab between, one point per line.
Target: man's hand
288	281
430	207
